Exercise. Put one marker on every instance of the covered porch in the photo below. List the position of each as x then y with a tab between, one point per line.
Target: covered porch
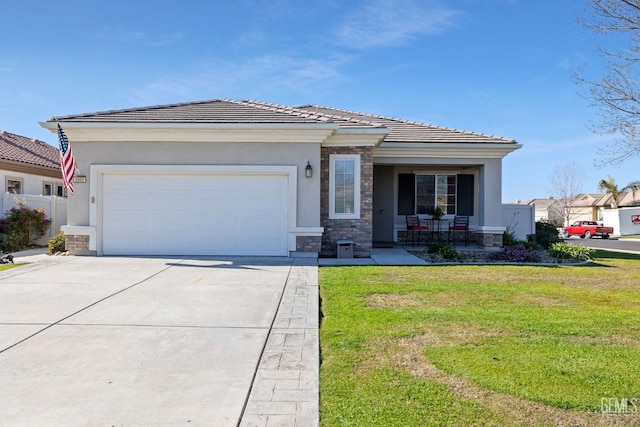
405	186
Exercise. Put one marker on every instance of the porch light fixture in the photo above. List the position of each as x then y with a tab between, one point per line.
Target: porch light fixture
308	171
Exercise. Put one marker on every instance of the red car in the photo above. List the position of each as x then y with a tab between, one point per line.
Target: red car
587	229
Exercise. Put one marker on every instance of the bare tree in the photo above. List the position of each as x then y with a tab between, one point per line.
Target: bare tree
617	93
565	183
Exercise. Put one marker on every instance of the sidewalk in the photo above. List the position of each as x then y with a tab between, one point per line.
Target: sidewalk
379	256
399	256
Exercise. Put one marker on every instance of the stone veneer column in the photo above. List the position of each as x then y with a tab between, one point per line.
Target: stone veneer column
77	244
359	230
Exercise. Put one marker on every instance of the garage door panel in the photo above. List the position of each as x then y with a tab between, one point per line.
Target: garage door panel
136	202
260	227
118	184
227	246
174	203
168	225
219	202
195	214
263	205
128	243
128	221
259	246
219	226
172	244
177	183
219	183
261	185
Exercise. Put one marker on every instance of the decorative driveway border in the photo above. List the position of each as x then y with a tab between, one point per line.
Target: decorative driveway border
285	390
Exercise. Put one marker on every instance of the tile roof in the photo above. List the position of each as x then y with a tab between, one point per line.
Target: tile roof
16	148
587	200
541	203
213	111
256	112
410	131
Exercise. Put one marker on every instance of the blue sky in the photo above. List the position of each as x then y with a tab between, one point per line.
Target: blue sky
500	67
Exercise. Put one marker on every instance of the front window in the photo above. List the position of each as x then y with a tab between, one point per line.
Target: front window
47	189
14	186
344	186
434	191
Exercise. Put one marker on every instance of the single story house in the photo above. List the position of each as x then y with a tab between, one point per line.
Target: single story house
226	177
29	166
545	209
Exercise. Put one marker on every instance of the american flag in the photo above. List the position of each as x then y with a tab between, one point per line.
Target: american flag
67	160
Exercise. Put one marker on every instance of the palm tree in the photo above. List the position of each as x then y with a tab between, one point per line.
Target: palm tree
609	186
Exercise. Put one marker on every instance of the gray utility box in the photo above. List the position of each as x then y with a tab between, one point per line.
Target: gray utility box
345	248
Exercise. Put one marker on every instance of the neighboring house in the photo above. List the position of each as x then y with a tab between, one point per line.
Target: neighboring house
226	177
585	207
30	173
29	166
630	199
546	210
589	207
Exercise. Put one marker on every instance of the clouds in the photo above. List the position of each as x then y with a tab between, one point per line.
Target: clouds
267	76
386	23
263	59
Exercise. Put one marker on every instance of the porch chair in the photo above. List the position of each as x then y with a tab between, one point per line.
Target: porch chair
460	224
413	226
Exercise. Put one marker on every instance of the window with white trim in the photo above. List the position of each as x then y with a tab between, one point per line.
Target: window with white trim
13	185
436	191
344	186
47	188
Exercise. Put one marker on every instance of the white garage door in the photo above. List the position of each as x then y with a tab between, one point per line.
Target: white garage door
196	214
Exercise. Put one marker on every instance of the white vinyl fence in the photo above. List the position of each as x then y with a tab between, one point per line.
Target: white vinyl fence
519	220
54	207
625	221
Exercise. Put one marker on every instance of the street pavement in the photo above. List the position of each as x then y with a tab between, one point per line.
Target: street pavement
611	244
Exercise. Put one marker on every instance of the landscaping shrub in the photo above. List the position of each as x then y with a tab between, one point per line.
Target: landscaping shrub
567	251
56	243
449	252
509	239
531	245
517	253
21	226
546	235
435	247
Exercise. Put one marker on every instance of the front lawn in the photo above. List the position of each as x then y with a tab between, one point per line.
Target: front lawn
8	266
481	345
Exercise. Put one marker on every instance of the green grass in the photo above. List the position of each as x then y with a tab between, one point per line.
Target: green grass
479	345
8	266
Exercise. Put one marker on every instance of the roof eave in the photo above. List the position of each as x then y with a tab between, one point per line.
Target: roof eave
22	167
52	125
446	150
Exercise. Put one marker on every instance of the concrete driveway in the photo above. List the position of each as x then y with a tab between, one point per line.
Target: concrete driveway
159	341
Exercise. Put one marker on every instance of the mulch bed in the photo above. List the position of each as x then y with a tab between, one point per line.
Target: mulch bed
480	256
